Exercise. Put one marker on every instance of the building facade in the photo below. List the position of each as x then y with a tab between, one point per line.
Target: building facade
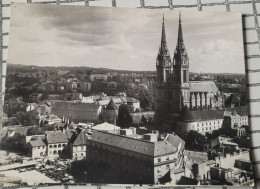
146	160
174	90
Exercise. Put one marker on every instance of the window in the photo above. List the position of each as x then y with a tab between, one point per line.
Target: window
167	158
184	76
159	159
59	145
167	167
50	146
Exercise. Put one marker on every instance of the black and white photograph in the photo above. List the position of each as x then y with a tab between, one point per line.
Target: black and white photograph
124	96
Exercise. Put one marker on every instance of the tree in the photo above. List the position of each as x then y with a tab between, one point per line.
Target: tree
15	143
124	117
28	118
35	131
195	140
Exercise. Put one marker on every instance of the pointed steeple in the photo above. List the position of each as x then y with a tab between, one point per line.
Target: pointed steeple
163	47
111	105
180	44
163	58
163	61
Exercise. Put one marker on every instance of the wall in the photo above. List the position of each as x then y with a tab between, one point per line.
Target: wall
38	152
229	160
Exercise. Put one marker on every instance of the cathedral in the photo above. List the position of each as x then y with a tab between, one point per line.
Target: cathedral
174	90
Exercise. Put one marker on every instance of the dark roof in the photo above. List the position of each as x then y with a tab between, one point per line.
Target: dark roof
203	115
111	105
241	110
187	181
232	100
75	106
35	143
158	148
53	137
80	140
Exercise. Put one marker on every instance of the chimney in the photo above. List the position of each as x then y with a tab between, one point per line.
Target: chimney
151	137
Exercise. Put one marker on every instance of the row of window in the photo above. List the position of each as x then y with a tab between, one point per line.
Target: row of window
55	152
55	146
206	123
167	159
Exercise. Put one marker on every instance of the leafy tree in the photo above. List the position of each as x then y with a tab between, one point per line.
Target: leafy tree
28	118
15	143
195	140
35	131
13	108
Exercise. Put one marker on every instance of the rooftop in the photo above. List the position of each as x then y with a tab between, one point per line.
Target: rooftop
53	137
203	86
36	143
158	148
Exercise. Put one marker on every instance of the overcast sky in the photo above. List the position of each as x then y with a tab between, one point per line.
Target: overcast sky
121	38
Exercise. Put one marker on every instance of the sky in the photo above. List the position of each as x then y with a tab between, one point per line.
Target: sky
122	38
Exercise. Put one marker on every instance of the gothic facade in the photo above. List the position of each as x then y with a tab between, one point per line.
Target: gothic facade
174	90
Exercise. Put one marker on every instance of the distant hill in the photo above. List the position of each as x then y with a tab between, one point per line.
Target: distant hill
22	68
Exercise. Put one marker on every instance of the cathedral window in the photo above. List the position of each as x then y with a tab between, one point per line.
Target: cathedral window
184	76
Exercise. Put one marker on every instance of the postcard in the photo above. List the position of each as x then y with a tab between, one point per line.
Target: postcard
125	96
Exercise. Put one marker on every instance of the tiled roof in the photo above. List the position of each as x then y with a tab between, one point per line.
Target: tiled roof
158	148
175	140
203	86
241	110
80	140
22	130
53	137
203	115
35	143
111	105
76	106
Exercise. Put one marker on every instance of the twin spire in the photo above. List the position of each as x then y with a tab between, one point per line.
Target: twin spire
180	43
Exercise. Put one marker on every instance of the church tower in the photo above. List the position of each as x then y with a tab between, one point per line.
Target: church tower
163	62
181	81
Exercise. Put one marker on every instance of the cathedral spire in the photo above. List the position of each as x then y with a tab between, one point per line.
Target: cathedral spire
163	61
180	43
163	38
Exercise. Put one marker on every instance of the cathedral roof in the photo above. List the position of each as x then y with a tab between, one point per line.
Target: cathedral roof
205	115
203	86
